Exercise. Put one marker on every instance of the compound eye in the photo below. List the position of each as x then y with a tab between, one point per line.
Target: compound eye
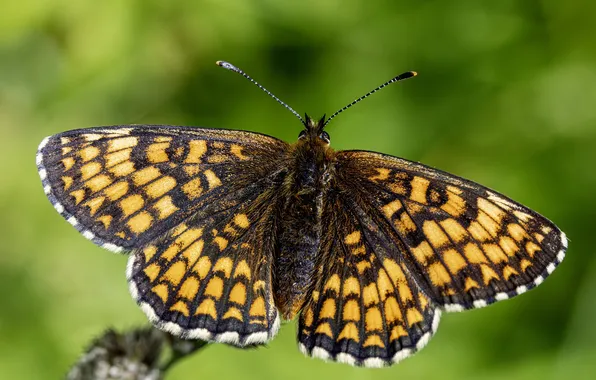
302	134
325	137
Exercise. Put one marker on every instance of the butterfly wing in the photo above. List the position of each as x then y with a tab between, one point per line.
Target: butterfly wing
123	186
467	246
191	204
366	308
406	241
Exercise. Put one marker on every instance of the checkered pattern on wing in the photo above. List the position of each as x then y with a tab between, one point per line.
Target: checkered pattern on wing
466	245
366	308
124	186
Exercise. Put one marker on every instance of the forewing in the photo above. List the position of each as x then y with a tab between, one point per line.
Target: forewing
465	245
124	186
366	308
210	277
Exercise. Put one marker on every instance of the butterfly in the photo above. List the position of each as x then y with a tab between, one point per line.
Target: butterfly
230	231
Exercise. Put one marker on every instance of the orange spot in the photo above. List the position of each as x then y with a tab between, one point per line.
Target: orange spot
94	204
370	295
237	151
212	179
89	170
117	190
453	260
353	238
397	332
351	311
241	220
193	188
132	204
382	174
189	288
350	331
532	248
140	222
434	234
351	286
67	182
215	288
524	264
145	175
123	169
494	253
233	313
455	230
257	308
474	254
328	310
238	294
161	290
333	283
508	245
391	208
78	195
116	158
491	210
362	266
193	251
413	316
438	274
242	269
106	220
392	310
175	273
157	152
324	328
149	252
478	232
180	307
374	321
160	187
517	232
508	272
98	182
373	340
152	271
488	223
68	163
224	264
488	273
207	307
89	153
470	284
202	267
121	143
455	205
165	207
221	242
197	150
419	188
423	252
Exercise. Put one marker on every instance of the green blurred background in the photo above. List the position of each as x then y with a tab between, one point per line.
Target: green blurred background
505	96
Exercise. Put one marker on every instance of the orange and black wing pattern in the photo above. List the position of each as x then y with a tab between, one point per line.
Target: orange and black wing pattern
464	244
366	307
189	204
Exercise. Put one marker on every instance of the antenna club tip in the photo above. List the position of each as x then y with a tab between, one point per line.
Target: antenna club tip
414	73
226	65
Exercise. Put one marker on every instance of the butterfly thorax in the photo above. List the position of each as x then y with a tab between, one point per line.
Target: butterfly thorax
299	227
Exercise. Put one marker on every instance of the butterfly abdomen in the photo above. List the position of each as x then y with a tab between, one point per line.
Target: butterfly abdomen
299	229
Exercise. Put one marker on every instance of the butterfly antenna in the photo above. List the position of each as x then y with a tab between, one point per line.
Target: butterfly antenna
403	76
229	66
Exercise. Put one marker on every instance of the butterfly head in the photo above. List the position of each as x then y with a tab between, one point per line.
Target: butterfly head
314	131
